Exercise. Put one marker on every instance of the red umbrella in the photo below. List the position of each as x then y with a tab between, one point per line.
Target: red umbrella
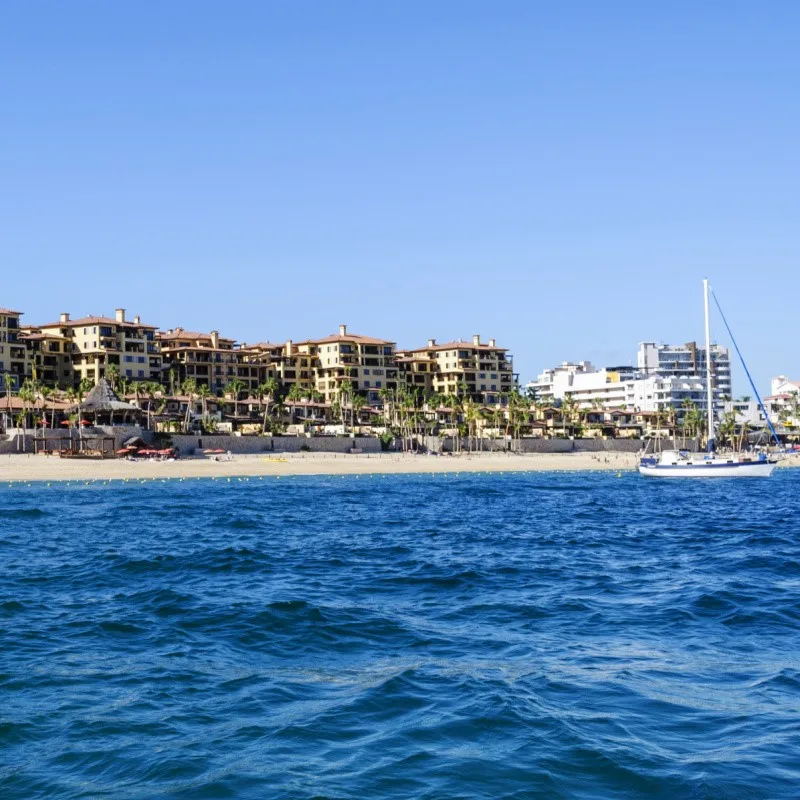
122	452
66	422
85	422
219	451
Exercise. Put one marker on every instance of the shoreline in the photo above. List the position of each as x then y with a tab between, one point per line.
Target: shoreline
30	468
26	468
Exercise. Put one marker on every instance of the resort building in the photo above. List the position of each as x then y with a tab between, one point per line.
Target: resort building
748	412
97	343
207	358
620	388
368	363
481	371
688	361
13	357
291	364
552	384
666	377
49	357
649	393
783	403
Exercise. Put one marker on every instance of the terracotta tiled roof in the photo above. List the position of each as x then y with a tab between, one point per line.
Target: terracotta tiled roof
456	346
348	337
180	333
17	404
9	311
261	346
76	323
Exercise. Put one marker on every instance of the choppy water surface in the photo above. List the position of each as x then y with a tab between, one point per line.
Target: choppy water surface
507	636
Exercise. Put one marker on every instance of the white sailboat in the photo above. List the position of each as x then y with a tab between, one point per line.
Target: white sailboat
679	464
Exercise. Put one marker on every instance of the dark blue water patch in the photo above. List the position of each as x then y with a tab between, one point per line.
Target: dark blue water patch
458	636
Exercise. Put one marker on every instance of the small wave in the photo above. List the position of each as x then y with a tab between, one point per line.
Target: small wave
23	513
11	607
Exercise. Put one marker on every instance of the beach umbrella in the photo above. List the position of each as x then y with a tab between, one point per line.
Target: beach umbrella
65	422
209	452
122	452
219	451
85	422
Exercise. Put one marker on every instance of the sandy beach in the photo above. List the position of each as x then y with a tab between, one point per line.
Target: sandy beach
30	467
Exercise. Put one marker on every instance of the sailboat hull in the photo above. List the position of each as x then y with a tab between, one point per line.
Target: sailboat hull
709	469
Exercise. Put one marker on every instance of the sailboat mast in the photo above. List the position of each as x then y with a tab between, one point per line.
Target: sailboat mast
709	391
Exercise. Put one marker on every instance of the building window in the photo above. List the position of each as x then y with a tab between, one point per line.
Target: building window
366	372
129	373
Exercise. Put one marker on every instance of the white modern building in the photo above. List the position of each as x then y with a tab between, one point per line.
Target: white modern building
783	404
660	392
782	385
748	412
552	384
666	376
688	361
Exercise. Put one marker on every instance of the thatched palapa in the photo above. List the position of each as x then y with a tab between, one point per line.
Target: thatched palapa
103	399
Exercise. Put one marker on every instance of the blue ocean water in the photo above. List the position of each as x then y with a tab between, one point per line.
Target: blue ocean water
456	636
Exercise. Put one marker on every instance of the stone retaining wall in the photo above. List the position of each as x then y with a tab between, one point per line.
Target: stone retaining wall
243	445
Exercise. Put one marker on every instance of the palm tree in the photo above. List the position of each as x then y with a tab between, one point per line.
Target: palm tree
386	395
148	389
112	375
234	387
85	386
46	393
726	430
266	391
345	395
74	397
567	411
9	384
189	387
123	386
356	404
295	394
203	393
27	395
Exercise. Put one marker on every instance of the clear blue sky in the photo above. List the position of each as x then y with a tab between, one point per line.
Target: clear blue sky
557	175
